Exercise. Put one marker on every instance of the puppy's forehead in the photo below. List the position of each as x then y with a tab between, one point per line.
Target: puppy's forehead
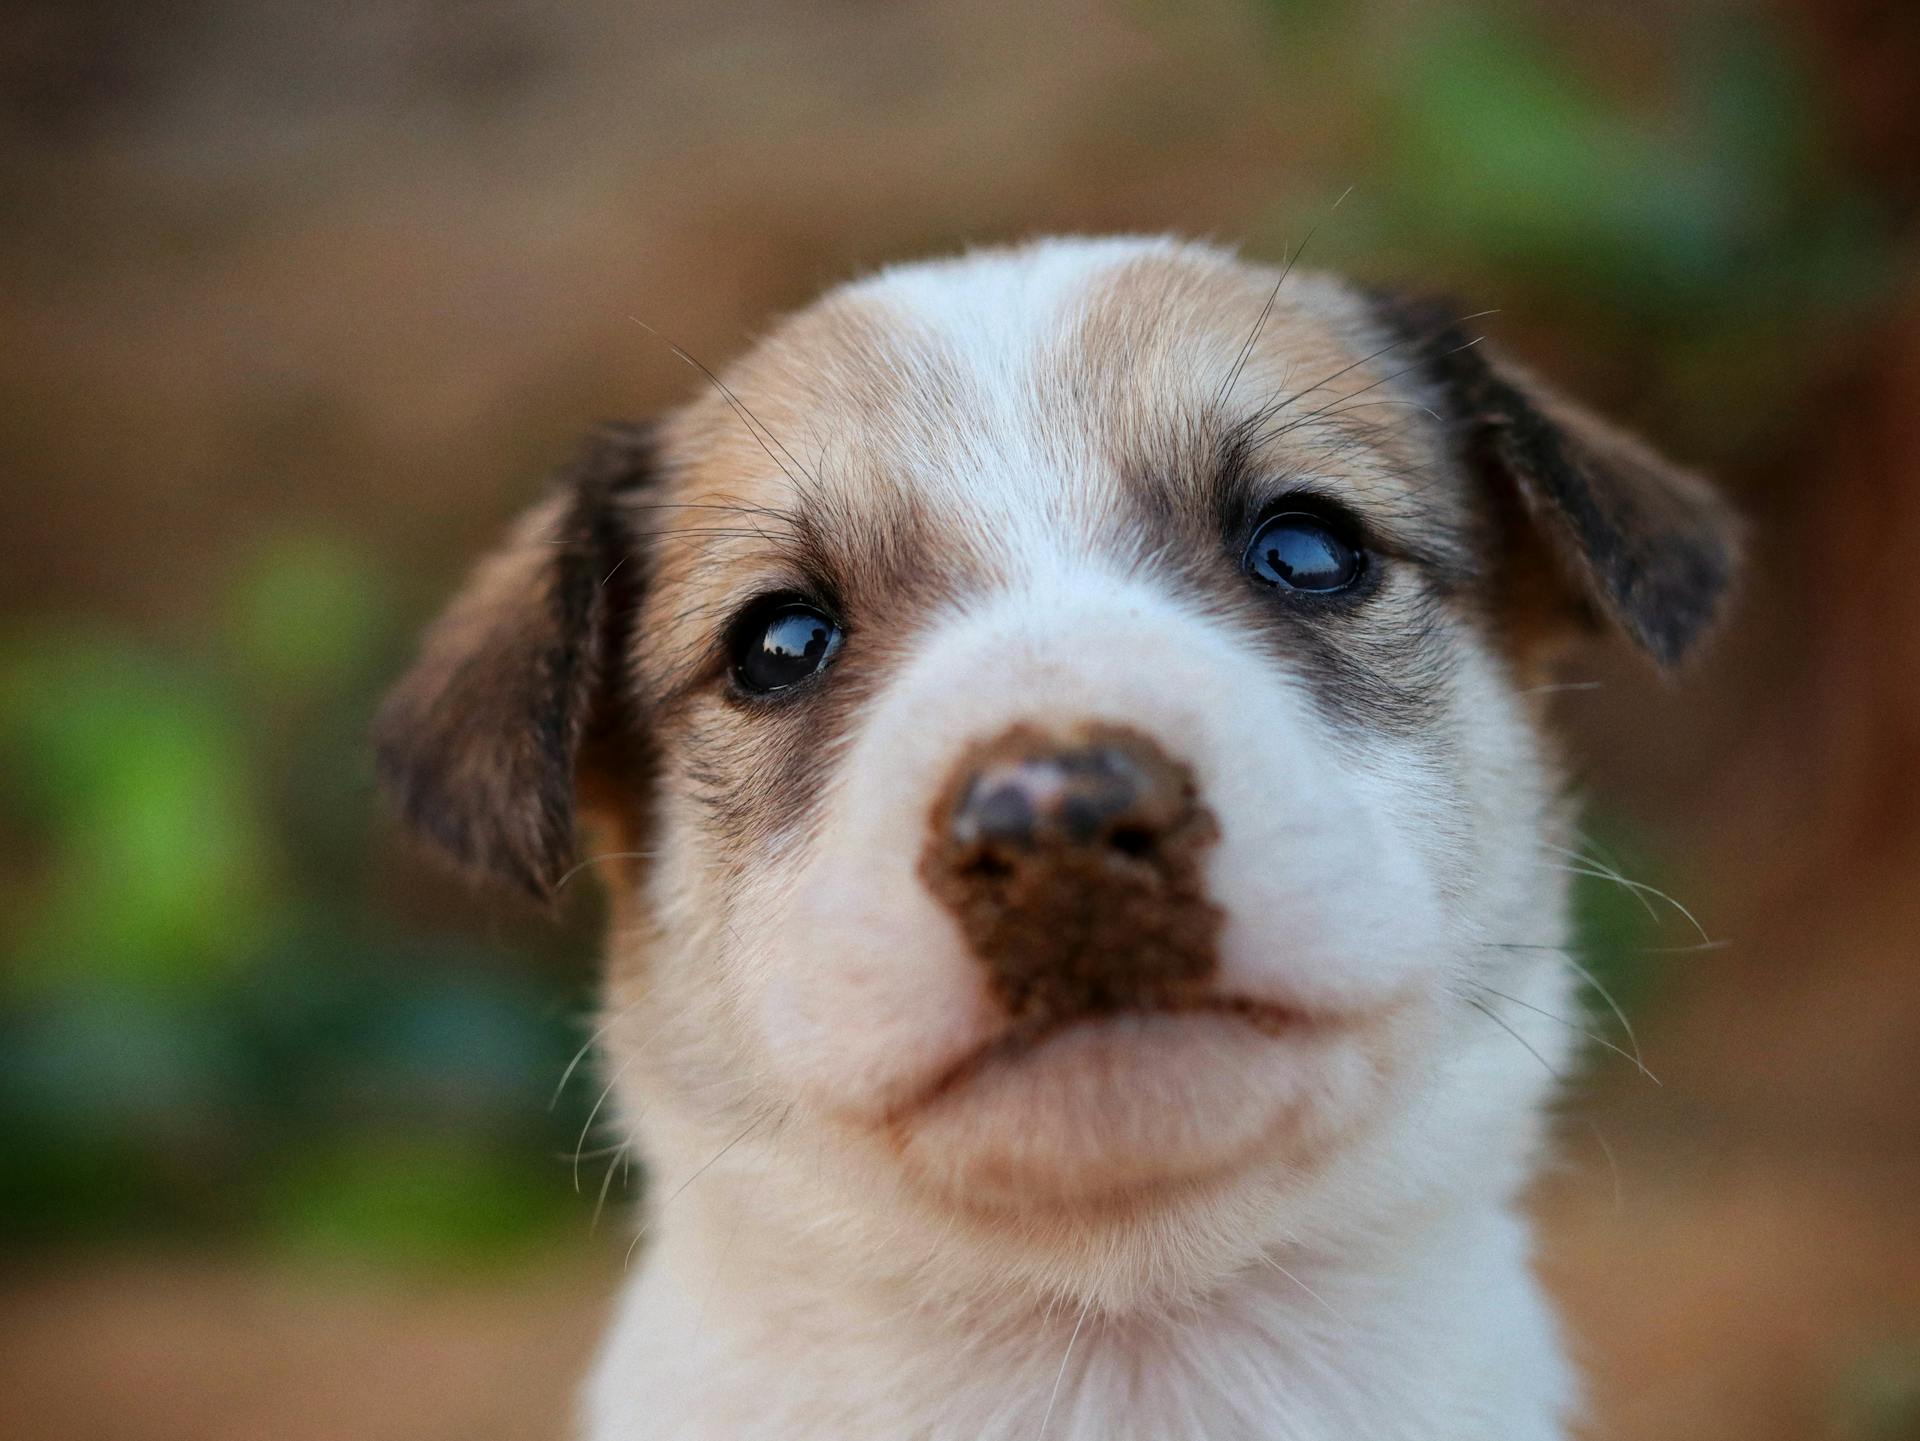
1008	405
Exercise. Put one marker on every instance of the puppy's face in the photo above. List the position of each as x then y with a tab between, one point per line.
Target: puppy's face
1076	709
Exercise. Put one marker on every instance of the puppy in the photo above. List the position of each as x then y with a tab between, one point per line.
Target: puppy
1064	728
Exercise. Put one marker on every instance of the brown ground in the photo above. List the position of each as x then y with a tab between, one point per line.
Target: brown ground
217	1349
1739	1291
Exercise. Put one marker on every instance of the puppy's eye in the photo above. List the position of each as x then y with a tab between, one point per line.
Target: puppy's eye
781	644
1301	552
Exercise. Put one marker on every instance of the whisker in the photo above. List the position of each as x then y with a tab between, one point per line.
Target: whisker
1558	687
614	1080
592	1116
1341	400
1566	959
574	870
1253	336
772	512
754	425
1592	980
1573	1026
1061	1375
1613	1166
1500	1021
594	1155
1375	404
600	1202
593	1040
1305	1287
1269	412
1605	872
728	532
1596	874
1687	950
752	1126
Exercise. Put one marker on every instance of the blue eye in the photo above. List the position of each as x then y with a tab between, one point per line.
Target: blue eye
1300	552
780	645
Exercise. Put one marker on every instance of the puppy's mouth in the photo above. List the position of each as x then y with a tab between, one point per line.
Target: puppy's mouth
1025	1037
1087	1110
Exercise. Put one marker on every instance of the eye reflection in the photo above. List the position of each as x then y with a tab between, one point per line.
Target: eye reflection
1300	552
783	645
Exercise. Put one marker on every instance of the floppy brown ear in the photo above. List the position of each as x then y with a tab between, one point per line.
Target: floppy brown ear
1646	542
477	744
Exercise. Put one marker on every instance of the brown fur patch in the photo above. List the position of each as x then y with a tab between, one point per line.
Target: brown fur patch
788	481
1219	390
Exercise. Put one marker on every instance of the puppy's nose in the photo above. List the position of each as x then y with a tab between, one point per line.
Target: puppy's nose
1073	864
1085	794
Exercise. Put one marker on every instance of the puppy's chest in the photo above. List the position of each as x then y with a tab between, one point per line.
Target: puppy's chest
1095	1392
1263	1375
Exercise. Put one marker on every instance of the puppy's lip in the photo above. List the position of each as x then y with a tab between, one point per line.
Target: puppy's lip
1272	1018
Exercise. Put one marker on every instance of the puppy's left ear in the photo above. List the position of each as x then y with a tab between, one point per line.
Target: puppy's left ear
477	745
1647	544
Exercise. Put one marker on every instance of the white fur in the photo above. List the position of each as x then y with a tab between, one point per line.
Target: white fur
1315	1237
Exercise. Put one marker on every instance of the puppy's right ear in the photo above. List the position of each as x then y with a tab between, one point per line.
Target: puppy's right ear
1637	539
477	744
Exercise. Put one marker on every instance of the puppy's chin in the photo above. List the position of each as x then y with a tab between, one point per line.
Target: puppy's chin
1135	1110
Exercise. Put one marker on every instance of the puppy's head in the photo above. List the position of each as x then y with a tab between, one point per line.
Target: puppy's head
1069	719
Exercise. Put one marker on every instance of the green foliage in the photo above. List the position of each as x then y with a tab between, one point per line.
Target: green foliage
306	616
408	1202
1510	157
116	1106
206	1021
1702	226
134	774
1880	1399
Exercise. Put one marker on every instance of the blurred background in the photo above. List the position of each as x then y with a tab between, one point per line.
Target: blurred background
299	301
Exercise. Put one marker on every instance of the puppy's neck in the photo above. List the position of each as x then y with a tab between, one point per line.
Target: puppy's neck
741	1329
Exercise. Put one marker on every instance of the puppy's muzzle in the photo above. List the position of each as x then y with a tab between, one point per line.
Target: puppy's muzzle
1074	866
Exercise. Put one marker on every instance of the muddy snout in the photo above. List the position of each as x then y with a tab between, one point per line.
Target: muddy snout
1074	864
